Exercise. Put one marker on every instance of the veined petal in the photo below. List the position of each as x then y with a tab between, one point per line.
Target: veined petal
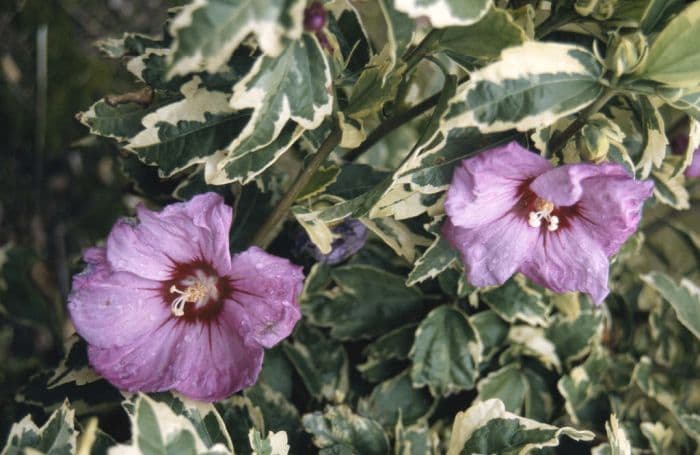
114	308
486	186
146	365
264	305
492	252
214	362
562	185
568	260
610	209
180	233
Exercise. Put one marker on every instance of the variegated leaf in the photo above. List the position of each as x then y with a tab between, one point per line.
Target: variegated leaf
288	93
443	13
530	86
57	436
187	132
673	57
487	427
206	32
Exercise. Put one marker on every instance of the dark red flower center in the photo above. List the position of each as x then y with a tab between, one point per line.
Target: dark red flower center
195	291
540	212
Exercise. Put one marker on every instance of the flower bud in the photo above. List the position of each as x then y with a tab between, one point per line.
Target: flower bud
626	53
597	136
314	17
598	9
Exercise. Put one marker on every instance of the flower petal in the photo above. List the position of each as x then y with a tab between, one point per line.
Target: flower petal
180	233
114	308
486	186
146	365
214	362
264	305
569	260
610	209
492	252
562	185
693	170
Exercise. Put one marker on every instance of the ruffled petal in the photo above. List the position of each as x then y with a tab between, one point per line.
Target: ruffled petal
562	185
568	260
180	233
146	365
610	209
264	304
214	362
492	252
485	187
114	308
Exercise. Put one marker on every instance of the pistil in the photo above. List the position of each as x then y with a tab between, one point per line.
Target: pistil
543	211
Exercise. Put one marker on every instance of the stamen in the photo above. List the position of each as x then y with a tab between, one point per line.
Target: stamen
193	293
543	210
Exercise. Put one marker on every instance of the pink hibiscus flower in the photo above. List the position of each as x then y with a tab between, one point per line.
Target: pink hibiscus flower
510	211
164	305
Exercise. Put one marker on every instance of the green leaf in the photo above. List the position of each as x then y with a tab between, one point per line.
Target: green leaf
397	235
321	362
485	39
278	414
56	437
273	444
530	86
396	398
438	257
318	231
673	57
205	418
658	435
619	443
443	13
321	180
206	32
187	132
685	299
531	341
288	93
338	427
487	427
366	303
240	416
415	440
654	138
156	428
492	330
122	121
376	85
446	352
573	337
508	384
515	301
386	354
669	187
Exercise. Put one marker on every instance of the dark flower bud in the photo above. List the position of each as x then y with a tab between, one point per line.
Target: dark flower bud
351	237
314	17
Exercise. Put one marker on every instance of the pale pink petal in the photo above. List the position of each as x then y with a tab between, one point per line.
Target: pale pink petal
693	171
214	362
146	365
264	306
568	260
180	233
115	308
487	186
610	209
562	185
493	252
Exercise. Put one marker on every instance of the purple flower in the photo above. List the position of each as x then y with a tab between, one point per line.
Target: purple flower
693	171
165	306
510	211
352	235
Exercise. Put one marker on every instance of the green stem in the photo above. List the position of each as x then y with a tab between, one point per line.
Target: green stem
269	229
559	141
425	47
